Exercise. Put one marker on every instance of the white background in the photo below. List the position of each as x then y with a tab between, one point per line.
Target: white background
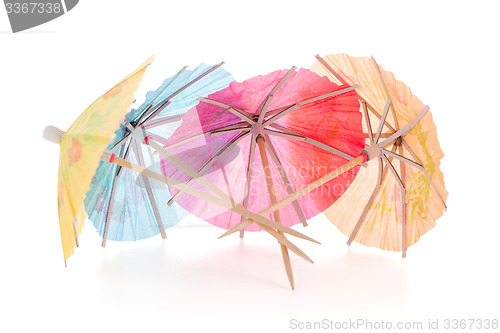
447	52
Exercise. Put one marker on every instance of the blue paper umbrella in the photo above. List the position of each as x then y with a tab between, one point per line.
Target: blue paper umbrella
124	205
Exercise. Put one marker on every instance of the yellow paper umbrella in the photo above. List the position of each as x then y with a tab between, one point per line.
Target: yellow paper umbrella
81	147
401	193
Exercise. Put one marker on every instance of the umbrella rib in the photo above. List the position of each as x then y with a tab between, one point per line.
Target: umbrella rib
235	111
214	132
368	204
152	115
368	123
276	111
296	136
425	173
150	104
380	77
384	171
330	69
382	119
378	115
155	111
112	196
403	159
393	171
120	143
210	162
338	77
108	213
289	188
382	135
151	196
231	128
403	202
249	176
405	129
163	121
379	73
262	109
308	101
76	234
168	85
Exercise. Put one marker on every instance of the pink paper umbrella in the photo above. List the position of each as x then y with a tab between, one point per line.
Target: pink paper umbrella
305	124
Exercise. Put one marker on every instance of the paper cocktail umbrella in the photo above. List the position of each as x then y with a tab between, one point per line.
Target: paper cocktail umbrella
305	124
123	205
81	147
401	193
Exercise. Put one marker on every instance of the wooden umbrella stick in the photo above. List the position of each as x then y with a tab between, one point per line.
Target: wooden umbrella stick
239	209
303	191
226	203
221	194
272	197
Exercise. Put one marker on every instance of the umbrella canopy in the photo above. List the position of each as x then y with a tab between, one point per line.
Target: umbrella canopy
309	126
81	148
123	206
400	195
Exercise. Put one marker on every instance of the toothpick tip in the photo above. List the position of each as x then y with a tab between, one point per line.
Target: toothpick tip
223	235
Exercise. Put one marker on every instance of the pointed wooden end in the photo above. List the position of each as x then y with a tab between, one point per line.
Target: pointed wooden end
242	233
170	202
349	242
65	265
164	236
224	235
103	244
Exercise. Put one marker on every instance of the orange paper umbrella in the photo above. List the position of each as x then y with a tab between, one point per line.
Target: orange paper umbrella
401	193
